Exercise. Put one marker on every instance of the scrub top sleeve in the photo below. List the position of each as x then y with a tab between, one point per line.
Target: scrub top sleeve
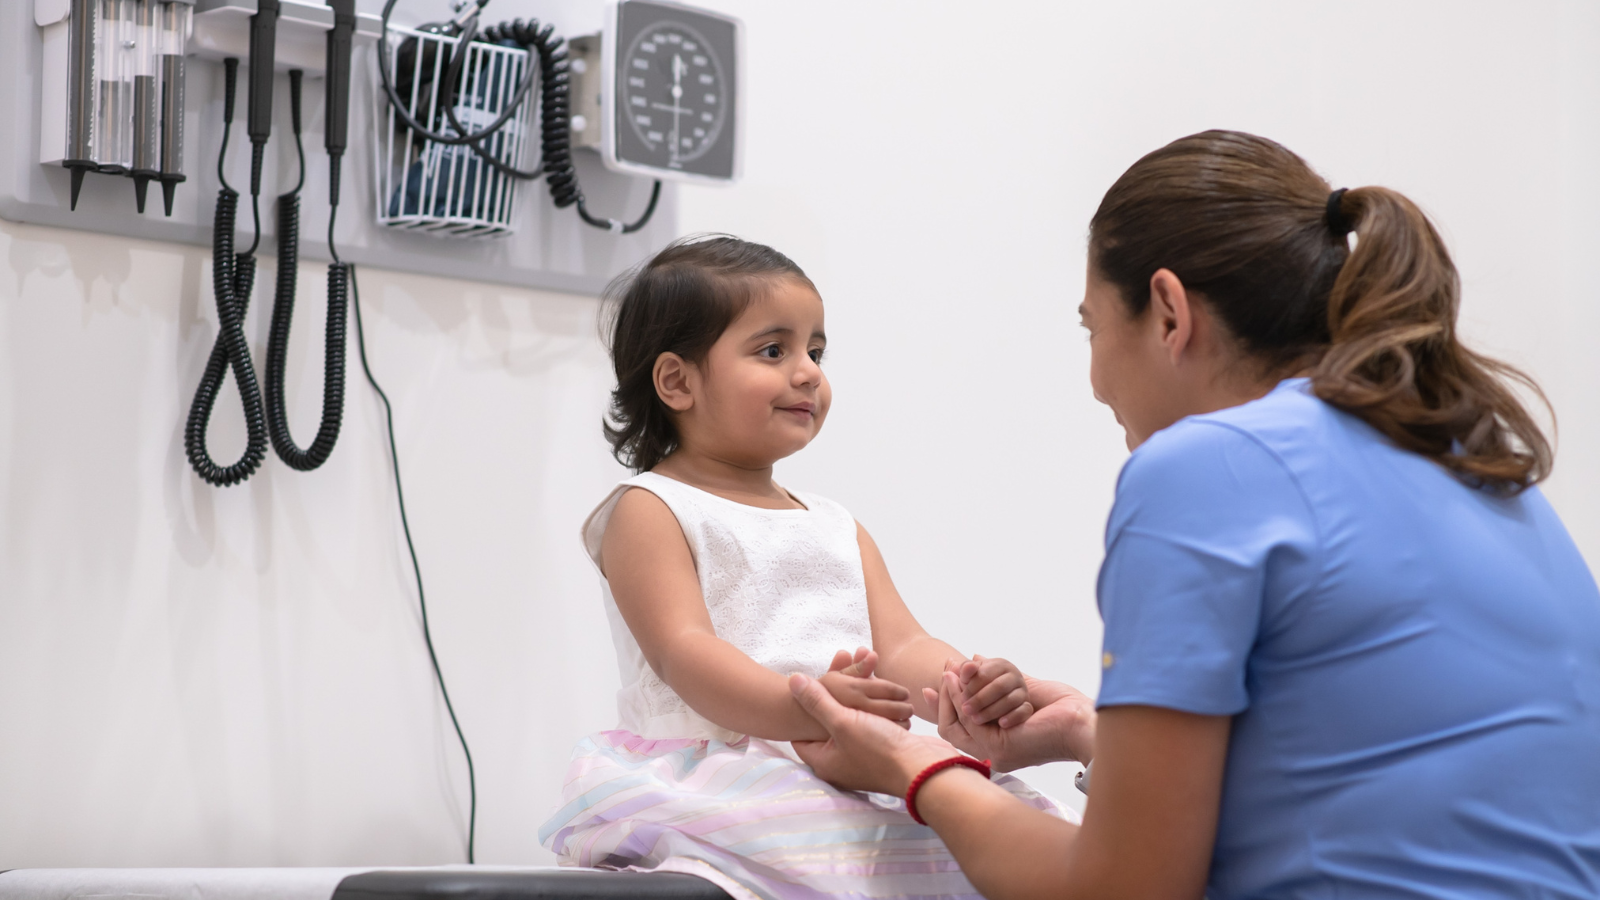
1204	515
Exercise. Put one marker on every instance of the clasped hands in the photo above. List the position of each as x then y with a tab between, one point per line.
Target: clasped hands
986	691
869	749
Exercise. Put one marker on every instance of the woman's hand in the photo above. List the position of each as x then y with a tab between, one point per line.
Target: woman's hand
994	691
850	681
1060	729
863	752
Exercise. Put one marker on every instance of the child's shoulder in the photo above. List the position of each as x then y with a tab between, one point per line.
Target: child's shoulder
631	504
649	505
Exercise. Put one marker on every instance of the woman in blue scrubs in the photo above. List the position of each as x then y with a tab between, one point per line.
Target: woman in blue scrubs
1350	649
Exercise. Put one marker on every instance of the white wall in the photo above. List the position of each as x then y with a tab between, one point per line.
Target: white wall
191	676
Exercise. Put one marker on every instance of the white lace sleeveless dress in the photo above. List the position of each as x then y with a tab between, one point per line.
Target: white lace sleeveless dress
670	790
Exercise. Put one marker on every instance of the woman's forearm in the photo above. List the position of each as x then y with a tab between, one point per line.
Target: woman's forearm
734	691
1149	828
1007	849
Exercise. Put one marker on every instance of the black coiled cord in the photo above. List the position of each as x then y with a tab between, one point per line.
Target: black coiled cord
283	316
233	277
555	114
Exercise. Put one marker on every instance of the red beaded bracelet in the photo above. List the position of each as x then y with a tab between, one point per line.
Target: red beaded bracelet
936	768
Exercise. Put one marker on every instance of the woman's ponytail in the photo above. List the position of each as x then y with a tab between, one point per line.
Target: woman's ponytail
1248	226
1394	358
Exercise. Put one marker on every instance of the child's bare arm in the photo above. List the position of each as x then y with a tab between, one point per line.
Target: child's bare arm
908	655
652	576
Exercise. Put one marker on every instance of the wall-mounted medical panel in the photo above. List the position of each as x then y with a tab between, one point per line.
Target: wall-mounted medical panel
174	134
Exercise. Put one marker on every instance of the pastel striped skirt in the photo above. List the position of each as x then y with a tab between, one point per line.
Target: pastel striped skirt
749	817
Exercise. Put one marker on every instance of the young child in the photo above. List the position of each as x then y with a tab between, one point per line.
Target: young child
718	583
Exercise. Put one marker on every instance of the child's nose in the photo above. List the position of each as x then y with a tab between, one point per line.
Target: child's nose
808	372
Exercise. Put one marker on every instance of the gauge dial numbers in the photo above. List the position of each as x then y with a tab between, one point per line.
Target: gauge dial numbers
673	94
675	89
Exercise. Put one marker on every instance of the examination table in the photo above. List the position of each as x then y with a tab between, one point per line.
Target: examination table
439	883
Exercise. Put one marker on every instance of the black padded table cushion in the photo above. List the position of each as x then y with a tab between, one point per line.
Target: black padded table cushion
398	884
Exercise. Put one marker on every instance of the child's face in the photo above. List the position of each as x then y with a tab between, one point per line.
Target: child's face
760	394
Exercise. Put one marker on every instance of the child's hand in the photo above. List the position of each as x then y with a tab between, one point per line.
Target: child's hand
850	681
992	691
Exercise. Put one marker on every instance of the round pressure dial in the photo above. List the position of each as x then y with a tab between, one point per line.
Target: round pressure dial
673	89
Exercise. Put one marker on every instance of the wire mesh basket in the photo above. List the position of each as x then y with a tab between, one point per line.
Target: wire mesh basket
439	188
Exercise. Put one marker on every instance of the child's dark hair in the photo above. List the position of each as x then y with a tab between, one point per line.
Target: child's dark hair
680	301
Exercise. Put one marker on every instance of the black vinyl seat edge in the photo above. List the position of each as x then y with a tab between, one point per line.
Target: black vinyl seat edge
548	884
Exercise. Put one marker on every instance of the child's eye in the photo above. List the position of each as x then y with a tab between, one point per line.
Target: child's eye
816	355
771	351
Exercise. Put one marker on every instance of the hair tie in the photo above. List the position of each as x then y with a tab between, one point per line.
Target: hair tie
1337	221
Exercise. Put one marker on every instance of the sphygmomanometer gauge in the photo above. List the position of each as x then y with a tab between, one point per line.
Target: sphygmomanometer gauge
673	82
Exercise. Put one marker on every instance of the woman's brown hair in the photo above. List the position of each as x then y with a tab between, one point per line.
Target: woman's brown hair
679	301
1251	229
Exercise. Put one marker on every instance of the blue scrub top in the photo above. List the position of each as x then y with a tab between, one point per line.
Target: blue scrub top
1412	664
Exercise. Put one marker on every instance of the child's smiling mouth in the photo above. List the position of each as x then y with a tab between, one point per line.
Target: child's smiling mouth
805	410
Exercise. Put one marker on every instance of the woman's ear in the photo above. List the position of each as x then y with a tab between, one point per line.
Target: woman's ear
1172	313
675	381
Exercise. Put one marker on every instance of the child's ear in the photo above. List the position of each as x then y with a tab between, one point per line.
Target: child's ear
674	378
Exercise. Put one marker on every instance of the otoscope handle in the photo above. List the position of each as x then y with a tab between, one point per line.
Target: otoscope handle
341	41
263	47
